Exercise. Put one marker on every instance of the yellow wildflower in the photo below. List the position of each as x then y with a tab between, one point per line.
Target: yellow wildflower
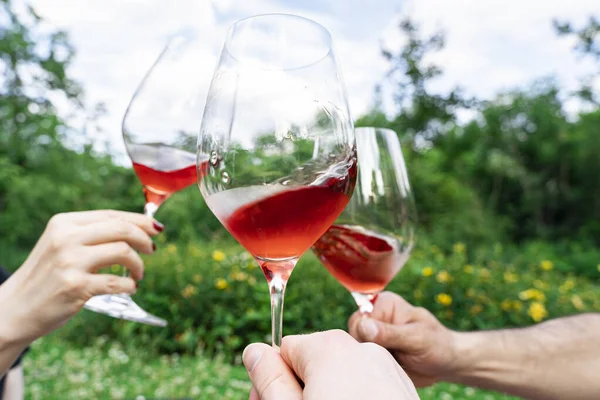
218	255
221	284
577	302
517	305
189	291
537	311
484	273
546	265
240	276
510	277
506	305
468	269
197	278
532	294
567	286
444	299
443	277
427	271
171	248
459	248
476	309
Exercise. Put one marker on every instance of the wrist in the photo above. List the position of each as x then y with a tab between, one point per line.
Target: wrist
465	356
12	342
486	358
11	324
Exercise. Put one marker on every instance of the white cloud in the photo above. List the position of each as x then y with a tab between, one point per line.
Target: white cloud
497	44
491	44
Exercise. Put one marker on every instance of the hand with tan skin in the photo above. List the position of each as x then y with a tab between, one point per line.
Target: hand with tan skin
59	275
421	344
557	359
332	365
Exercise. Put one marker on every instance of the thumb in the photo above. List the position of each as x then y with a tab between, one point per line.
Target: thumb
406	338
270	375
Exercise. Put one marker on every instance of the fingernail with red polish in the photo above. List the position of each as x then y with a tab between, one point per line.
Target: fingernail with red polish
158	226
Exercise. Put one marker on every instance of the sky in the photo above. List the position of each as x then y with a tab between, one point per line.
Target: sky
491	45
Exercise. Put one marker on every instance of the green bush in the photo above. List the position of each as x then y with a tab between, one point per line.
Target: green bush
216	299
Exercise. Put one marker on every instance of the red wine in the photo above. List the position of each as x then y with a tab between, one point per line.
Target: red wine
163	170
277	222
361	260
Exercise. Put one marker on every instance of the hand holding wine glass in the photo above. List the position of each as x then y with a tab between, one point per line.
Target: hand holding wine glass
331	365
372	239
280	143
158	130
60	273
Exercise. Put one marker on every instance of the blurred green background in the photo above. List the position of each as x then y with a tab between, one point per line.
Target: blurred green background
508	203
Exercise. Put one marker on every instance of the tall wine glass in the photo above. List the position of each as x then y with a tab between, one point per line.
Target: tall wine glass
371	240
159	130
279	141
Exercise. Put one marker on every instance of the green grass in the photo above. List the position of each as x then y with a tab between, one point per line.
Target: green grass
105	370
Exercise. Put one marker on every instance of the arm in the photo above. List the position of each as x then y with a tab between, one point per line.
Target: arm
558	359
11	345
14	387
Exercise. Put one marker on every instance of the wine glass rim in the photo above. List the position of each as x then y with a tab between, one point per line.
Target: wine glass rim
325	31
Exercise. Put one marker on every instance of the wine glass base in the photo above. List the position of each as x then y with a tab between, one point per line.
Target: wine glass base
122	306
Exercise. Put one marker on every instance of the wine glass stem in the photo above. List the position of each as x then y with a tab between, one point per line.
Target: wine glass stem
364	302
277	289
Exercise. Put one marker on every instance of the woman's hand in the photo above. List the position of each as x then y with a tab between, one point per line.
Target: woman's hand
59	275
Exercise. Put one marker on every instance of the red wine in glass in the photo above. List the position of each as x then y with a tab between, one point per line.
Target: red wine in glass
162	170
361	260
284	221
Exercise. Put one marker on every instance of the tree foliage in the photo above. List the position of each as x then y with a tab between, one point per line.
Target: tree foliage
521	168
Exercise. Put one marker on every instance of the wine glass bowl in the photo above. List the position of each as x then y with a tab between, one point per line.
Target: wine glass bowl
279	141
372	239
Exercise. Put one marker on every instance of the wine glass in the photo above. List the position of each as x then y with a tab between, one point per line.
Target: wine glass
159	130
372	239
279	143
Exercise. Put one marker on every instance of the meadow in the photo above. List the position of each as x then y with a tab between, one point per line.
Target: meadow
216	301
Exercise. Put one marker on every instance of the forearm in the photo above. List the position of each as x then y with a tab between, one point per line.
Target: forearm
559	359
10	348
14	388
13	341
